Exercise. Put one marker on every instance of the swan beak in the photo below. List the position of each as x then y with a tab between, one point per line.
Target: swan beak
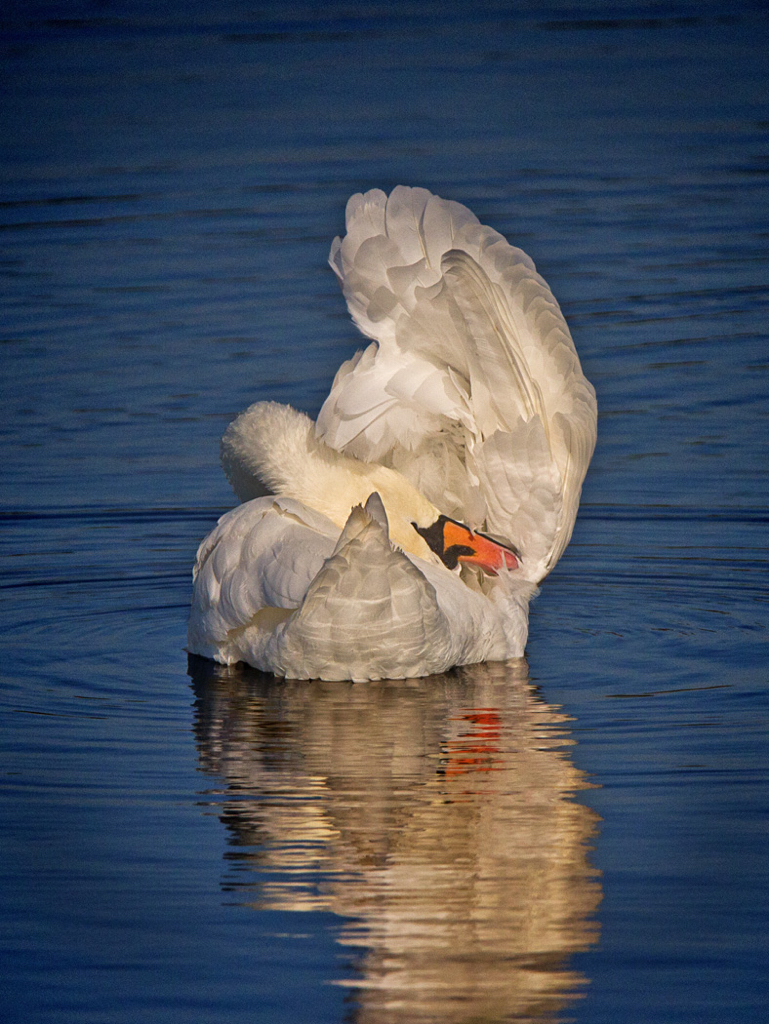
471	548
454	542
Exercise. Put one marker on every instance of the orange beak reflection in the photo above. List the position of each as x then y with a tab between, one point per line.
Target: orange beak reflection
454	542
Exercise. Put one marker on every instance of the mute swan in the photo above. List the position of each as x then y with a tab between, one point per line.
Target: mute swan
406	530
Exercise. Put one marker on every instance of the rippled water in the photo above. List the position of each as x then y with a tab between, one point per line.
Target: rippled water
580	837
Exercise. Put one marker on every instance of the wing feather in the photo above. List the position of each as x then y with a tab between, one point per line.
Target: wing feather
472	369
262	554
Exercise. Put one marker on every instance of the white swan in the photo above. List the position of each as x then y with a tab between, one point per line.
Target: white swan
357	552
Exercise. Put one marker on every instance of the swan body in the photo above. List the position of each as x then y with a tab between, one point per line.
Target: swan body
406	530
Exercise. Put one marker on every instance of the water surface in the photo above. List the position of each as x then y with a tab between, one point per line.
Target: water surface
578	837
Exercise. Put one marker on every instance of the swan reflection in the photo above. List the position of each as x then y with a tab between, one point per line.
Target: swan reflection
436	817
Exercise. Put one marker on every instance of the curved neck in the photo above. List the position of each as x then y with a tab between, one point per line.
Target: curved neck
277	445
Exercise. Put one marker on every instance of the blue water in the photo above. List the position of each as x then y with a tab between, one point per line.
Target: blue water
587	842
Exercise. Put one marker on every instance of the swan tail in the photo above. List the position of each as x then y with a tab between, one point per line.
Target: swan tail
368	614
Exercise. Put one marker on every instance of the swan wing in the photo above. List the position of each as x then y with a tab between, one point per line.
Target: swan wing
252	571
472	387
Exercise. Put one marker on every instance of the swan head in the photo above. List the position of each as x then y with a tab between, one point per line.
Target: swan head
455	543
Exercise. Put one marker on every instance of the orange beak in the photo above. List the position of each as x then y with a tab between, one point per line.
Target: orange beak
460	544
454	542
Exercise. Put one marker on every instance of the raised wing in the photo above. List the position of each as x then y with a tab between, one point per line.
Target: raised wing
472	387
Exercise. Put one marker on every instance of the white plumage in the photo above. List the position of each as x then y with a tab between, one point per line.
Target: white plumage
469	403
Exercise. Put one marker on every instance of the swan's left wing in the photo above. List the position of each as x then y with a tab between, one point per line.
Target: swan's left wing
472	387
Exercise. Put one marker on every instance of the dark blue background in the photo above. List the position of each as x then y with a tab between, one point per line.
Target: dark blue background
172	177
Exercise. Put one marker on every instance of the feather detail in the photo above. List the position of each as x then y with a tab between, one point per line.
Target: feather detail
469	403
278	586
469	345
